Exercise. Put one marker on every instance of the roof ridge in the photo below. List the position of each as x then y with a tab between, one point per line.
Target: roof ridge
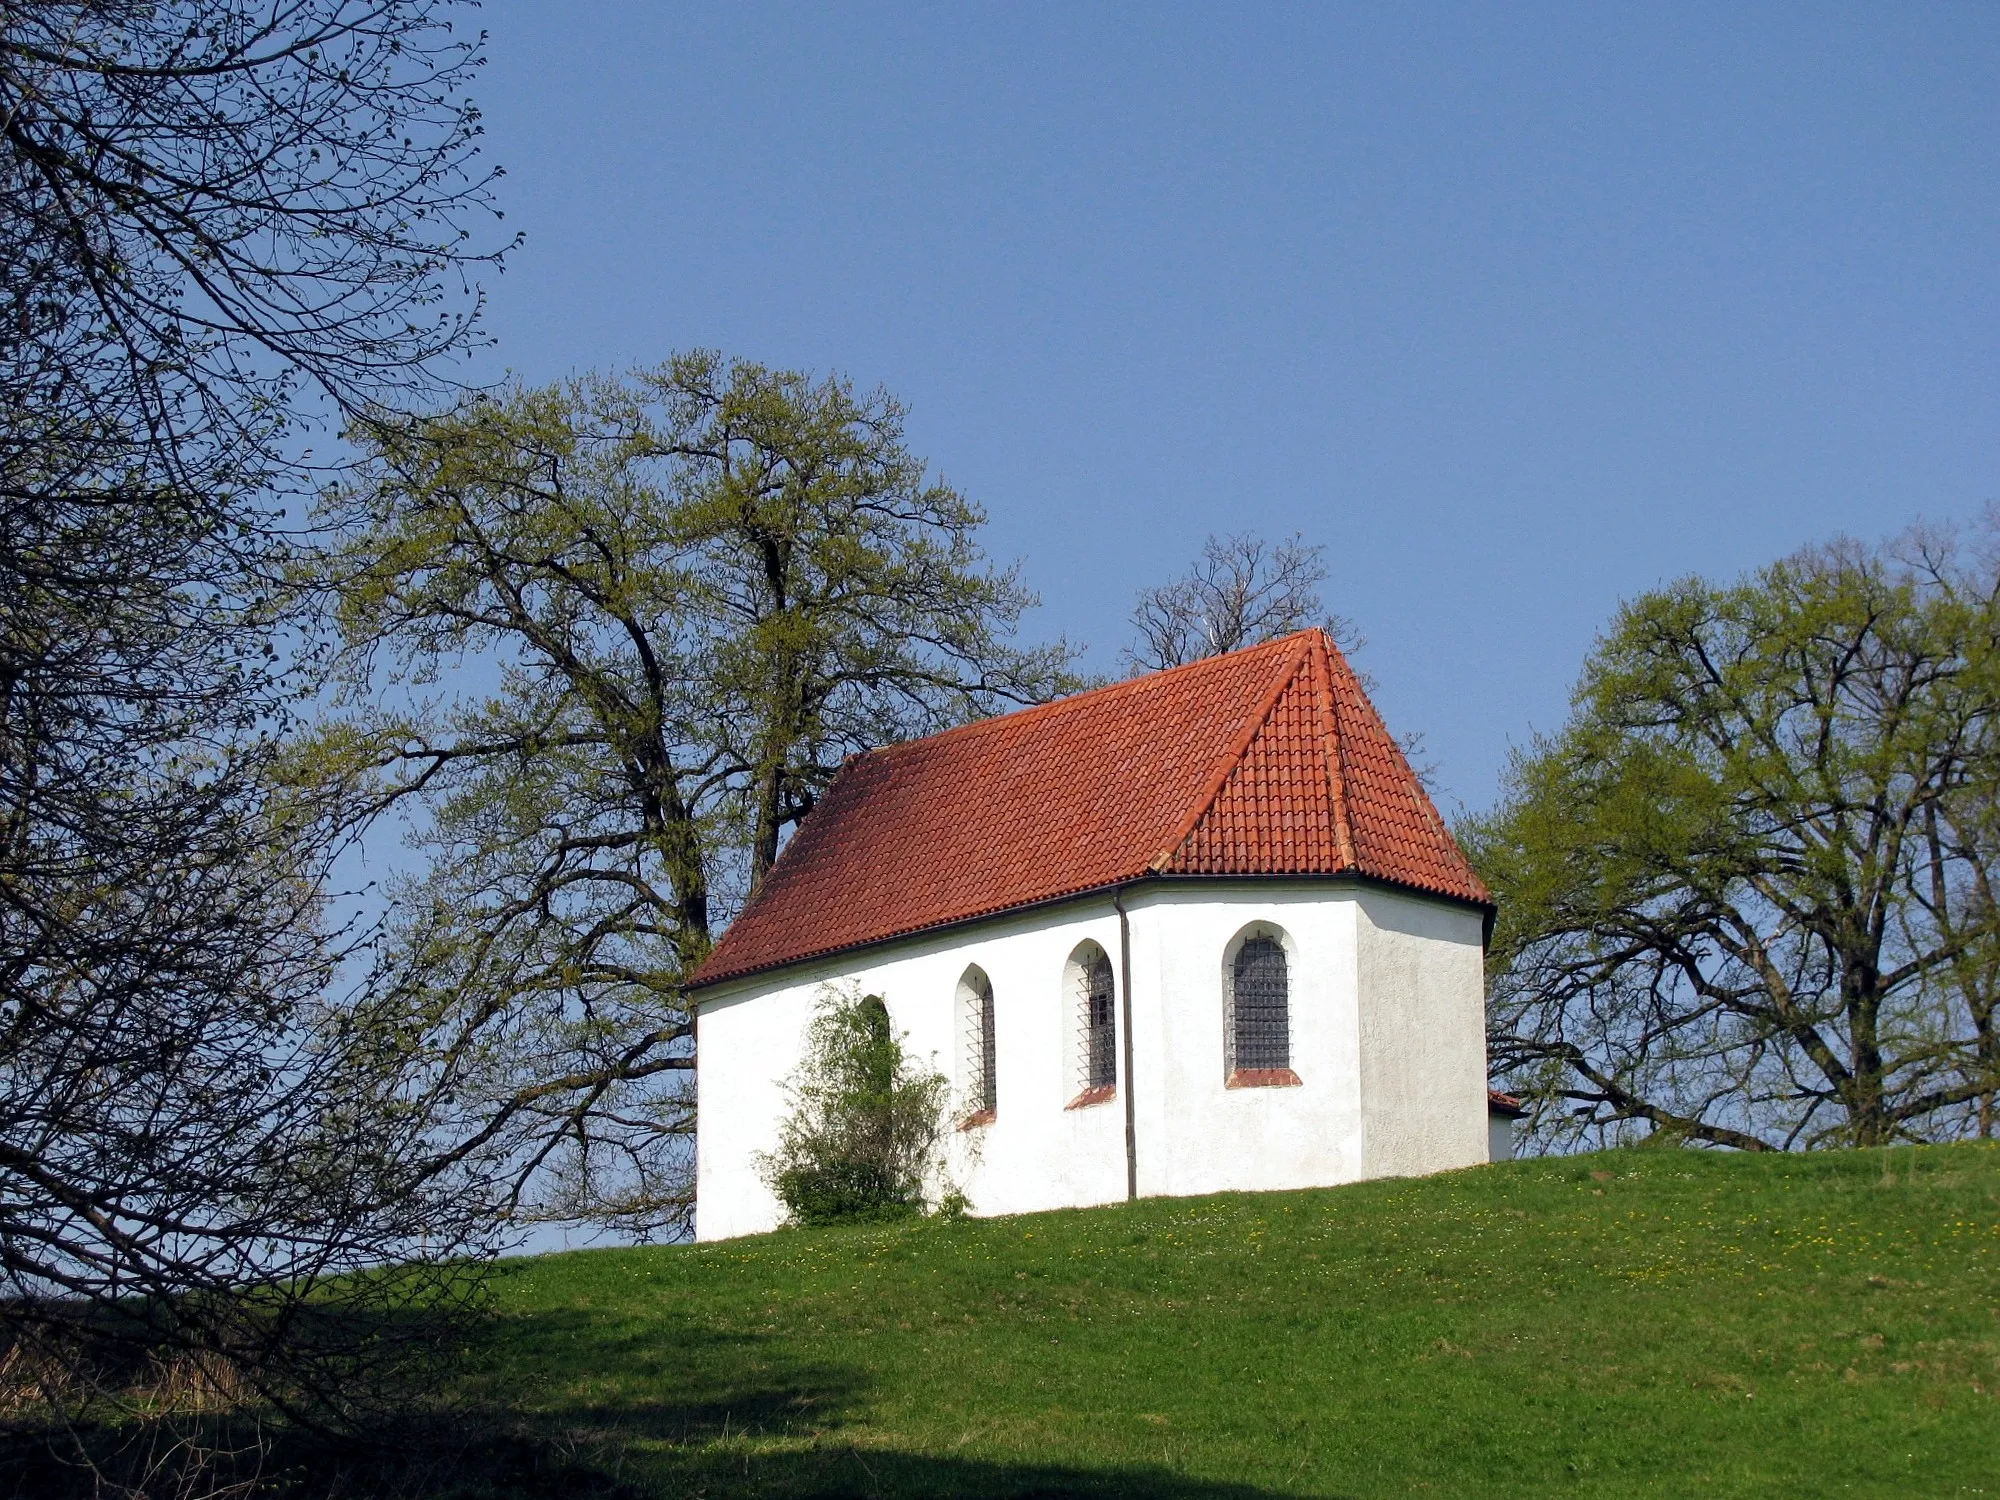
1426	807
1125	685
1274	766
1333	749
1239	746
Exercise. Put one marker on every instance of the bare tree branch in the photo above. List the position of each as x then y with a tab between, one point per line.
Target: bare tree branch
216	218
1240	592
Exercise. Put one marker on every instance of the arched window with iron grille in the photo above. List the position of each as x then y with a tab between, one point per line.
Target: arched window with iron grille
1093	996
1258	1029
981	1076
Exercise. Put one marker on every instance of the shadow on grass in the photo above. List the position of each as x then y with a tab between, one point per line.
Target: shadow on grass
696	1411
664	1379
467	1459
561	1407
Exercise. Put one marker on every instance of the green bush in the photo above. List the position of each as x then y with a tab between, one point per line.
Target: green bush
863	1134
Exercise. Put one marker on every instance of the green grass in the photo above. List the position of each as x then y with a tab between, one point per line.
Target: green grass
1631	1323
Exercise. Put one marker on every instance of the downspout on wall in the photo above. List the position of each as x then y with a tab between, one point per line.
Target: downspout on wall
1125	996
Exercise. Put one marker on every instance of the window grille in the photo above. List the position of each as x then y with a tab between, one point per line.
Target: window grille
1100	1029
989	1081
1260	1028
983	1094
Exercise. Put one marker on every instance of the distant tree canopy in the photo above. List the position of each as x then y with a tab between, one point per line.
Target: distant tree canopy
694	591
1746	894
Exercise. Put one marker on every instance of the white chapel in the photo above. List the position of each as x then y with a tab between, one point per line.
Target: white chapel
1195	932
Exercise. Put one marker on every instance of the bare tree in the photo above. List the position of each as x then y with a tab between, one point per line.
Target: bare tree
1241	591
216	217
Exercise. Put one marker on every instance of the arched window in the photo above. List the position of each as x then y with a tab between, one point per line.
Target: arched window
1093	995
1259	1030
881	1044
975	1010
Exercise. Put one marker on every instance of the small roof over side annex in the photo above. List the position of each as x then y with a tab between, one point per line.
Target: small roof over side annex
1265	761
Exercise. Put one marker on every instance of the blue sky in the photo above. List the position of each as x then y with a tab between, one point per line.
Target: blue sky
1518	310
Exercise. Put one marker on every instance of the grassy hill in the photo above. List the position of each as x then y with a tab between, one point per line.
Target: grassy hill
1632	1323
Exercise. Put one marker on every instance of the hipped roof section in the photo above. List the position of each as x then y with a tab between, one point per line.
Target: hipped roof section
1265	761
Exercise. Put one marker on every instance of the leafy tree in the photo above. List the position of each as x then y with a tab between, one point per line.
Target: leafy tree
691	594
862	1138
215	219
1746	894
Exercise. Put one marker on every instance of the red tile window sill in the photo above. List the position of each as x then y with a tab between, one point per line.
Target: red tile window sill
978	1118
1098	1095
1263	1078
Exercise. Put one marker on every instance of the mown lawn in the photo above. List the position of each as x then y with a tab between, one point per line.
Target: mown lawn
1632	1323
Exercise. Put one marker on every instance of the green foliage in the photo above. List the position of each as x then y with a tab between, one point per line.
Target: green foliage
1621	1324
687	595
861	1141
1746	892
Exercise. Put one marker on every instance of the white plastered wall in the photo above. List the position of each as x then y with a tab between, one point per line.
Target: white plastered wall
1423	1035
1387	1038
1195	1133
1036	1154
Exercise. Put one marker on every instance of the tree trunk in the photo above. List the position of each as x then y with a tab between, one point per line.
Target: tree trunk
770	823
1867	1110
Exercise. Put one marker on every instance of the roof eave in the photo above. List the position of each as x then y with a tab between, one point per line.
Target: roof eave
1104	888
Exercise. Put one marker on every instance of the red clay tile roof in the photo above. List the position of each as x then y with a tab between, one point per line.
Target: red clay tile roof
1267	761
